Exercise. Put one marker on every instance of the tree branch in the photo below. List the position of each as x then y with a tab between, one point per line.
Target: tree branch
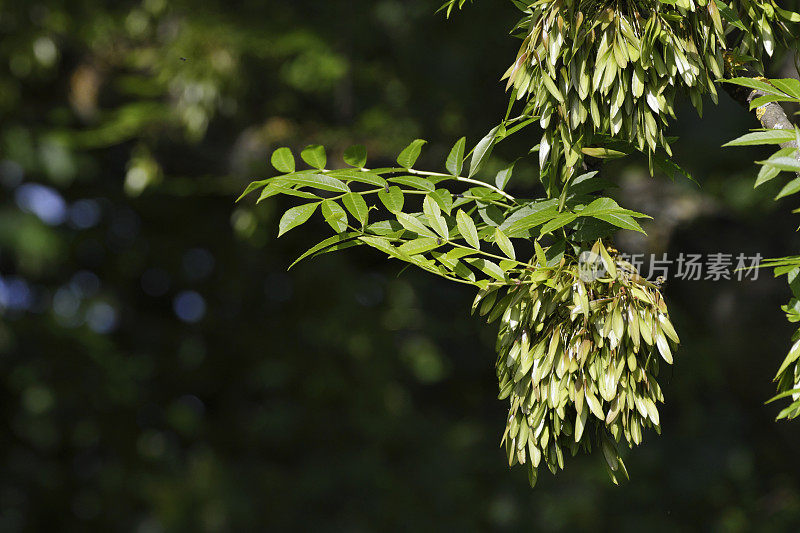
772	116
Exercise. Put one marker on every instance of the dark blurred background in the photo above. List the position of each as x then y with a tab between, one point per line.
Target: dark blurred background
161	371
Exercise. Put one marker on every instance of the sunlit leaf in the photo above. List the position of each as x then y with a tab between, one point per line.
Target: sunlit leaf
783	163
317	181
392	198
763	137
603	153
467	229
315	156
334	215
420	245
252	187
357	207
413	224
482	151
487	267
455	160
295	217
793	187
415	182
349	174
337	242
410	153
444	199
433	213
504	243
501	180
283	160
275	188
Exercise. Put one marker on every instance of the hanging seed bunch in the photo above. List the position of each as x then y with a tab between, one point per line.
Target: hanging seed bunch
757	25
594	69
579	351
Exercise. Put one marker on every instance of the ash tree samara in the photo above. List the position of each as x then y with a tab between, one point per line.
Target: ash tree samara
578	357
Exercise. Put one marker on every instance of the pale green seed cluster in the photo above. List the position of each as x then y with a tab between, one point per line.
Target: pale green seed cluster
578	362
593	69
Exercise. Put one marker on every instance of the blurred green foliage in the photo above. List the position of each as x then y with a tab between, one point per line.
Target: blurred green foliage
161	371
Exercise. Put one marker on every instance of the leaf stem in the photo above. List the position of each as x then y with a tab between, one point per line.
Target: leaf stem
463	180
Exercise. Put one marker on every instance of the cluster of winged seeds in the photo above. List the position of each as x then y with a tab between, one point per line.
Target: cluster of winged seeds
594	69
578	356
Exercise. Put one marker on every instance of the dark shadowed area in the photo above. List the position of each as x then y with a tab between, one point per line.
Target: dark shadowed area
160	370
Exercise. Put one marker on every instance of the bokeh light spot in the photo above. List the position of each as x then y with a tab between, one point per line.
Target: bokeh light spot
84	214
101	318
189	306
42	201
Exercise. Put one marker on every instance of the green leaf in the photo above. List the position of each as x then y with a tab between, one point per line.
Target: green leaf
783	394
767	99
763	137
295	217
794	355
730	15
793	187
317	181
420	245
410	153
791	16
455	161
273	189
482	151
415	181
487	267
386	228
602	153
466	227
501	180
458	253
783	163
356	156
551	87
349	174
357	206
392	199
252	187
504	243
541	259
621	221
331	244
283	160
609	211
558	222
382	244
593	403
590	229
588	183
765	174
671	168
444	199
456	266
315	156
413	224
752	83
334	215
530	216
433	213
